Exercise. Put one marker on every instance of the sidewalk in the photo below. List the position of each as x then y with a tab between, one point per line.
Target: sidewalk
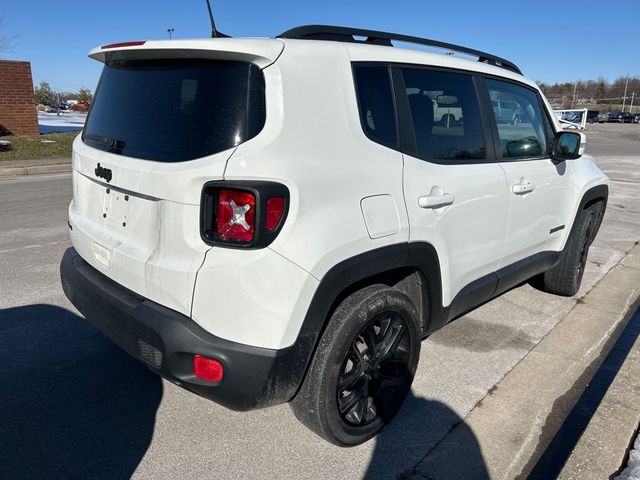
10	168
520	417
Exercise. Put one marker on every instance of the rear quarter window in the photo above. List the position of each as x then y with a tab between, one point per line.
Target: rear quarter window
175	110
375	103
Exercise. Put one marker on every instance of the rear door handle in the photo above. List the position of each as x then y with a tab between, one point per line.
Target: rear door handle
523	187
436	199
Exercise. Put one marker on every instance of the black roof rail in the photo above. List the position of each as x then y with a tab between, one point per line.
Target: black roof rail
348	34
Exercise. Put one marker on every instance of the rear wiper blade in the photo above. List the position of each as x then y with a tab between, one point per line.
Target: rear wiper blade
113	143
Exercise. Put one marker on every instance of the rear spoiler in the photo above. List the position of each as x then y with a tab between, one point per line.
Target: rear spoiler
261	52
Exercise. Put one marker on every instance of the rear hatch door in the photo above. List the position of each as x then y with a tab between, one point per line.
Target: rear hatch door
166	118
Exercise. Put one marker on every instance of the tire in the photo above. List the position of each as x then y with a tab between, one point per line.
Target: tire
565	278
374	380
447	120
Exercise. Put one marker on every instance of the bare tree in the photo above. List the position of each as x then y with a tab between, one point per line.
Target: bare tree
6	41
84	96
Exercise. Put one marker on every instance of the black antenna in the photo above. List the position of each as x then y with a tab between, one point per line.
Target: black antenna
214	33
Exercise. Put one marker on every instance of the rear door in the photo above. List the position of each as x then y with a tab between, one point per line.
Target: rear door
540	189
159	129
455	191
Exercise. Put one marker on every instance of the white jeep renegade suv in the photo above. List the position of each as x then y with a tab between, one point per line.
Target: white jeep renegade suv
284	220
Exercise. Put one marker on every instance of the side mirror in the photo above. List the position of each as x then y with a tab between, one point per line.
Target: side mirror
568	145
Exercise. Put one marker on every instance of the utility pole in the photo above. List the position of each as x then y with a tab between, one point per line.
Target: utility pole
624	98
633	94
573	99
170	31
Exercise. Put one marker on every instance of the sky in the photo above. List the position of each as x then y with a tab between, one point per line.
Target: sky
551	41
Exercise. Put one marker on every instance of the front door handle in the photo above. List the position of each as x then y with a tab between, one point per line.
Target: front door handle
437	198
523	187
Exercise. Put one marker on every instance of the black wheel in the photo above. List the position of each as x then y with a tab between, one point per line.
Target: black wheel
363	367
447	120
566	277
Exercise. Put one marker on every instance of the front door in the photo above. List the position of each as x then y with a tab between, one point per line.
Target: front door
540	190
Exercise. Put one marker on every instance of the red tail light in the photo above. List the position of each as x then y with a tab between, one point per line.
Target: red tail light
207	369
235	217
247	214
124	44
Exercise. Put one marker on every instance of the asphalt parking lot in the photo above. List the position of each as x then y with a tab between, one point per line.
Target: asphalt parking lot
74	405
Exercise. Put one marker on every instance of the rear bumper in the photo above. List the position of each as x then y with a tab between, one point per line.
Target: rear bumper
166	341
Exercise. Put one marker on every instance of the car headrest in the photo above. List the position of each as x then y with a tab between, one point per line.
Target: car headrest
422	114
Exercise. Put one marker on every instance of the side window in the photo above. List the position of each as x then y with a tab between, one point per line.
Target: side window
523	128
445	115
375	101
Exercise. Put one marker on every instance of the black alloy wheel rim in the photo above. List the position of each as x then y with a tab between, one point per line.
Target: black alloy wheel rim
375	373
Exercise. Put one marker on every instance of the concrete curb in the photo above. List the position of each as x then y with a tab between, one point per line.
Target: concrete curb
34	169
517	420
602	448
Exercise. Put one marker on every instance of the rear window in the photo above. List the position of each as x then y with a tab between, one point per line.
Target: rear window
175	110
445	115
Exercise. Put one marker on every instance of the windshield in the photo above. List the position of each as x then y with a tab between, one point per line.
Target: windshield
175	110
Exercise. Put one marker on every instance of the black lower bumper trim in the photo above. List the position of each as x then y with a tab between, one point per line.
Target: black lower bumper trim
166	341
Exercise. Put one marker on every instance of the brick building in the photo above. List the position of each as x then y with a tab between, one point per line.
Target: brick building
17	110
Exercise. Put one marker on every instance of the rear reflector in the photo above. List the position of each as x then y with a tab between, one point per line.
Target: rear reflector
207	369
123	44
275	209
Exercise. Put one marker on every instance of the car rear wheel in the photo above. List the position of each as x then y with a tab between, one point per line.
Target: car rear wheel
363	367
447	120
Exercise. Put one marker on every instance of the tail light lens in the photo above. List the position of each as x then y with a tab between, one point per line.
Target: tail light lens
123	44
235	217
207	369
243	215
275	209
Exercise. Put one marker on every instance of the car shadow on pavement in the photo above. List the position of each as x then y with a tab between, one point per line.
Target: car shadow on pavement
72	405
417	430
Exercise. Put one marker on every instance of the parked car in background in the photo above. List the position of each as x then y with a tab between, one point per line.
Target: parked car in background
505	109
620	117
614	116
573	117
592	116
636	117
603	117
81	106
626	117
